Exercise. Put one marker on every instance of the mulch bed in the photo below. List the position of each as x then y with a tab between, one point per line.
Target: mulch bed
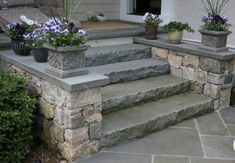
42	154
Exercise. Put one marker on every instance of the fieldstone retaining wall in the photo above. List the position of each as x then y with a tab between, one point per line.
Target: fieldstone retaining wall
70	121
209	76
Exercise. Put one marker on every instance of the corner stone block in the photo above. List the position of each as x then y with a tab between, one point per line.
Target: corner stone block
58	132
200	75
161	53
212	90
213	65
225	96
215	78
76	136
95	131
83	98
188	73
175	60
191	61
84	150
197	86
176	72
73	119
46	109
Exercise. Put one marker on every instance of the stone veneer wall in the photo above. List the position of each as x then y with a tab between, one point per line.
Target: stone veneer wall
70	121
208	76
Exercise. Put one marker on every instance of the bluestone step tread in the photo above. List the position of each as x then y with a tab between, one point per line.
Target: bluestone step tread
149	117
117	53
122	95
132	70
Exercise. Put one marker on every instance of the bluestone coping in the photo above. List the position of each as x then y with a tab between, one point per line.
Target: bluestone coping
77	83
191	48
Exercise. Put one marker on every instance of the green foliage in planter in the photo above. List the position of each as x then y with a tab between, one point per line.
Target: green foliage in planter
177	26
17	108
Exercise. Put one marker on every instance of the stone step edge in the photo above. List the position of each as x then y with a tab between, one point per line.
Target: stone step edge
157	93
146	127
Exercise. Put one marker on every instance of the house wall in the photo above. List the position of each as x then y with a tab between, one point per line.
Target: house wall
191	11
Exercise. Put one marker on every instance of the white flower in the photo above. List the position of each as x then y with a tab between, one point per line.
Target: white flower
145	16
26	20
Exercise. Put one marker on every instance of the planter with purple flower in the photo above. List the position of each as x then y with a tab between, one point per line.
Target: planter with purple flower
151	25
215	29
35	40
16	32
65	44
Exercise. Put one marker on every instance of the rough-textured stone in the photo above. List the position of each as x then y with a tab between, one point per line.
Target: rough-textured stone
188	73
59	116
96	56
212	65
175	61
83	150
53	94
46	109
83	98
58	132
76	136
95	131
228	78
215	78
197	87
200	75
73	121
225	96
161	53
149	117
176	72
132	70
191	61
123	95
212	90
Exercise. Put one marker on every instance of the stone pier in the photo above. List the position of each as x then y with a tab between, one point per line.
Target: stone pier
209	73
69	109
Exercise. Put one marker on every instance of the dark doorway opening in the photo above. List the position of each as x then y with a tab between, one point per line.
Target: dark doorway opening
140	7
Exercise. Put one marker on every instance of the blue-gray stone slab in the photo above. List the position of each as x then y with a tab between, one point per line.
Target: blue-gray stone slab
177	142
170	159
5	41
191	48
218	147
107	157
39	69
204	160
228	115
211	124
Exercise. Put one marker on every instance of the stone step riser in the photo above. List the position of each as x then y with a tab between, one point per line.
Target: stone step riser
115	104
139	73
158	123
113	56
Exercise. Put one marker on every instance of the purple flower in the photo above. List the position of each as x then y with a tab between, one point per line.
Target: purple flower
82	32
65	32
18	26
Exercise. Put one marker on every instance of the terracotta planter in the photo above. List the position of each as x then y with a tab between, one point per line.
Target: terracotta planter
20	47
175	37
151	32
215	41
68	61
40	54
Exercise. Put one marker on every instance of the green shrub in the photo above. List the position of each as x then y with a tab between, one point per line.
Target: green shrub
17	108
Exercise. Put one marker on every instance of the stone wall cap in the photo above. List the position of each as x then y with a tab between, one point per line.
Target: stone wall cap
39	70
65	48
218	33
185	47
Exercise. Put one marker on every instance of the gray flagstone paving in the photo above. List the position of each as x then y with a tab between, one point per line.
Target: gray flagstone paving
203	140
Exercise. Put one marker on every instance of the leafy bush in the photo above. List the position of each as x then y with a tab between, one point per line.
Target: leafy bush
17	107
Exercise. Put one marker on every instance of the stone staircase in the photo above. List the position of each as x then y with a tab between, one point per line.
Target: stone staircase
142	97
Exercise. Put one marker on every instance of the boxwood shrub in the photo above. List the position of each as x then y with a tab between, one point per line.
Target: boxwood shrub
17	117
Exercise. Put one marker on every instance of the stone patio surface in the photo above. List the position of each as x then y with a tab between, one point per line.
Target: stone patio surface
207	139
